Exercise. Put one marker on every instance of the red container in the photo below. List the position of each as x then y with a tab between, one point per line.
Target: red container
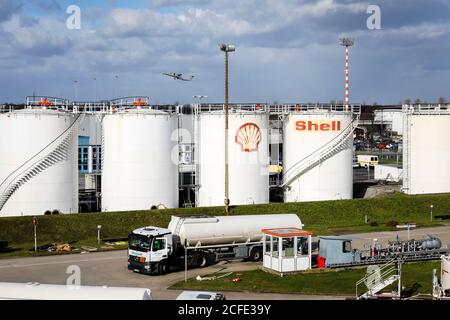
321	262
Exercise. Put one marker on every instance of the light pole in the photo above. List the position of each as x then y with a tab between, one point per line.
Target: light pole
76	89
431	213
99	228
116	86
347	43
95	92
227	48
199	98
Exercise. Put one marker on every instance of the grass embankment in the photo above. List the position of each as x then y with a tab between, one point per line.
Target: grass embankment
324	217
416	278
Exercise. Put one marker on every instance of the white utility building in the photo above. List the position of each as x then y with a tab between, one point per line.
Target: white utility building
392	118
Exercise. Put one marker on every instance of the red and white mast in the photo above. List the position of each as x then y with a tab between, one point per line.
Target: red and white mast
346	42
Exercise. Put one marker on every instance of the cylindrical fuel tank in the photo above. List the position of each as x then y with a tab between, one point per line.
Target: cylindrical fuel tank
248	155
27	137
139	160
205	231
308	136
432	243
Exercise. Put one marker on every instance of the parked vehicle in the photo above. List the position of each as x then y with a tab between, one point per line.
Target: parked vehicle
367	160
200	241
200	295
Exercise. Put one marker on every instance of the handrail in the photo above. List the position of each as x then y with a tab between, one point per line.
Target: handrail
385	272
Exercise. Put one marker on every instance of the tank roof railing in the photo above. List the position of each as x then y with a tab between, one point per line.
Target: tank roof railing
90	107
298	107
133	102
46	102
255	107
428	108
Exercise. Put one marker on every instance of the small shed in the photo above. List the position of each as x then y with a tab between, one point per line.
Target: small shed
337	250
286	249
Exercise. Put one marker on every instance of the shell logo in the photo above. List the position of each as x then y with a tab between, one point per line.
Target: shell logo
248	136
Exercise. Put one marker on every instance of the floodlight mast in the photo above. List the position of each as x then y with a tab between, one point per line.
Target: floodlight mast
346	42
226	48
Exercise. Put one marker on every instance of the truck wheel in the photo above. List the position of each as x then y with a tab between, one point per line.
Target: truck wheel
256	254
163	268
202	261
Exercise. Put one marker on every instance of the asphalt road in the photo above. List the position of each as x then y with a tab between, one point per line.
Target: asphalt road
363	174
110	268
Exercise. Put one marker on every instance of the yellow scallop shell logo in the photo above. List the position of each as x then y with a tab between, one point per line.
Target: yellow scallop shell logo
248	136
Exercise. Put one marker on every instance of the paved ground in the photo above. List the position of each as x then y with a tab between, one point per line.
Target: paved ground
110	268
363	174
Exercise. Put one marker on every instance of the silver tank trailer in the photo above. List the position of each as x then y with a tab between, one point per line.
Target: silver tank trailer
218	230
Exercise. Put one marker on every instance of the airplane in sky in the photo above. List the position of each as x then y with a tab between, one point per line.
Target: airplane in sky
178	76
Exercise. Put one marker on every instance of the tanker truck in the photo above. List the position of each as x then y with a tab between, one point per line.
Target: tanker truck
201	240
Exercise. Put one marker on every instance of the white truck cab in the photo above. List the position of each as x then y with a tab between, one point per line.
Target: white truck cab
149	249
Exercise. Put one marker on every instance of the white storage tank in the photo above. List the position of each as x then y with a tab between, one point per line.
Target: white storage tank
206	231
38	163
139	160
317	155
248	157
426	149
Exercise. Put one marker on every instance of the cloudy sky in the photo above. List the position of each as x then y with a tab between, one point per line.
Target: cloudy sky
287	50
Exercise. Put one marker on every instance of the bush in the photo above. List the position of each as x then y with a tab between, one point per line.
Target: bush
392	223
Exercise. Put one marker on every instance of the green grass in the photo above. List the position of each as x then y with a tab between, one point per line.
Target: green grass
324	217
416	278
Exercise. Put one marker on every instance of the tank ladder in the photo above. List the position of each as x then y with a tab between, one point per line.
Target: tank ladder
56	151
406	172
334	146
378	278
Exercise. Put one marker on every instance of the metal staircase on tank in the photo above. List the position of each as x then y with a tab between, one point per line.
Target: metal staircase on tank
334	146
406	172
56	151
379	278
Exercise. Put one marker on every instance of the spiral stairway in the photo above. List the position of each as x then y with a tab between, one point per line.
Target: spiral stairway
56	151
334	146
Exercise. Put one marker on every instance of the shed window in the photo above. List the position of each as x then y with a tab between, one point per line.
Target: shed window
346	246
288	247
267	244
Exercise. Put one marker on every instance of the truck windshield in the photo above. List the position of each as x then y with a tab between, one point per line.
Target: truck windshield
139	242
